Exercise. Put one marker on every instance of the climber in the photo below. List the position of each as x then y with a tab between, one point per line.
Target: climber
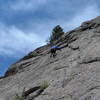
53	51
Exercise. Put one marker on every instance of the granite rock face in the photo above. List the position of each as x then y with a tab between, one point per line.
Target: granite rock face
73	75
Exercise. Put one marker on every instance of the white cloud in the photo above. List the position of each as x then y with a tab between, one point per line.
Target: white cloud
86	14
15	42
90	12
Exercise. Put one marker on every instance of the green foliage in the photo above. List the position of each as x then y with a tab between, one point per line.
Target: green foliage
44	85
57	32
41	88
20	97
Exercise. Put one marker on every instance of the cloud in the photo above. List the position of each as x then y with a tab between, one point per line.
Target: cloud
26	24
90	12
15	42
45	28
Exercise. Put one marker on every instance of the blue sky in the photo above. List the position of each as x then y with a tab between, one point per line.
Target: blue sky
26	24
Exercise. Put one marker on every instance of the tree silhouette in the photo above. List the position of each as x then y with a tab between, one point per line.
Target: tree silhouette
57	32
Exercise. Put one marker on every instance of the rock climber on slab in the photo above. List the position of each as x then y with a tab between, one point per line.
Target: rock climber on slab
53	51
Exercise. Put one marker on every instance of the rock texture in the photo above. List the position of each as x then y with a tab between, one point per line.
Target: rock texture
73	75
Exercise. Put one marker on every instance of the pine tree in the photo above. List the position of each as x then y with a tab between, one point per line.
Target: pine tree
57	32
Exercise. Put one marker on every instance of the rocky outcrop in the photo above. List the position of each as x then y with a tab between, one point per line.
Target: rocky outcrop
73	75
37	52
17	66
